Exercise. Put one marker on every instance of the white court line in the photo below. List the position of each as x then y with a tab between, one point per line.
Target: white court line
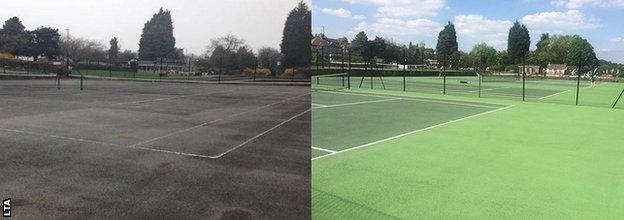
213	121
168	98
358	103
548	96
409	133
260	135
101	143
323	149
489	89
319	105
416	99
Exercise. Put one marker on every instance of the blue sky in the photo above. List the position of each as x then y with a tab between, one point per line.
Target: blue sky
601	22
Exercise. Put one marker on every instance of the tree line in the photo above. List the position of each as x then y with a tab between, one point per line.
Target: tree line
571	50
157	41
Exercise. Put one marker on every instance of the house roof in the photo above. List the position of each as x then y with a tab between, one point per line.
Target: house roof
321	40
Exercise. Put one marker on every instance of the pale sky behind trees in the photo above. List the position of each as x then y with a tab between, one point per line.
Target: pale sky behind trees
259	22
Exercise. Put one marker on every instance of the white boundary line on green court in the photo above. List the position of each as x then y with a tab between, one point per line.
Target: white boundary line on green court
358	103
323	149
414	99
548	96
411	132
319	105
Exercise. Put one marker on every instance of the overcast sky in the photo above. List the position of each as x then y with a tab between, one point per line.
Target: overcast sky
259	22
599	21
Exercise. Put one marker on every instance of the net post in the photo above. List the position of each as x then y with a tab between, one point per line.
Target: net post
578	85
480	79
618	99
349	80
81	81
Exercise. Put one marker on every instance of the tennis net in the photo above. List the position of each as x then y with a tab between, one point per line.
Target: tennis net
337	81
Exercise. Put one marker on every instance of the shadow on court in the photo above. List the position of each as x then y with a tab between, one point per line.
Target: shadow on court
154	150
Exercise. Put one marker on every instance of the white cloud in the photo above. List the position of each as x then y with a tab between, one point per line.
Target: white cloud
492	32
617	40
404	8
577	4
559	21
398	27
343	13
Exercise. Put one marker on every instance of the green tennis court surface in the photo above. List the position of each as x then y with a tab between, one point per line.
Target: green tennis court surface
384	154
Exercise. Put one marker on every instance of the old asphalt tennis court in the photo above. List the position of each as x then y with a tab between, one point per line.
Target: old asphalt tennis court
152	150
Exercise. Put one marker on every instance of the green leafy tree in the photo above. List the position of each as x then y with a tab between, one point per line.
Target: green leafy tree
128	55
447	43
359	45
245	58
518	42
295	44
580	53
44	41
157	39
376	47
483	56
14	39
113	51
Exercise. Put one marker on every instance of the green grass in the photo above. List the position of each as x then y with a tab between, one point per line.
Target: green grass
532	160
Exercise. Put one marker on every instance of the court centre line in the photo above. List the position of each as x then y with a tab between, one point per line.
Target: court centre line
323	149
260	135
409	133
357	103
214	121
416	99
548	96
101	143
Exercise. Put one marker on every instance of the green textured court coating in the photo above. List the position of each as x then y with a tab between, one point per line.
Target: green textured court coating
387	154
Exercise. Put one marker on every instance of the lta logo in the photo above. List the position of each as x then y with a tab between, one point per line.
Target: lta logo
6	207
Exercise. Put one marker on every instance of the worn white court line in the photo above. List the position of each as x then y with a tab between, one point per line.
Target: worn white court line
260	135
169	98
358	103
548	96
214	121
415	99
409	133
323	149
100	143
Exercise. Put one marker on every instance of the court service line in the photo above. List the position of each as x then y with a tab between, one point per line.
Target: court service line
169	98
415	99
548	96
214	121
261	134
323	149
358	103
100	143
411	132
